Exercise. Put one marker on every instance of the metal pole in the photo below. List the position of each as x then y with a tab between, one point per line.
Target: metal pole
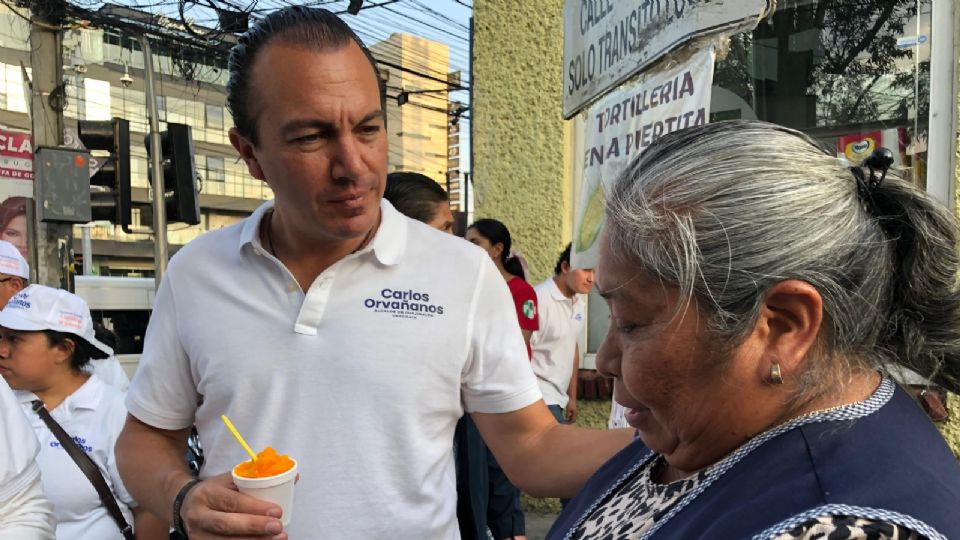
473	109
156	156
941	148
46	100
87	251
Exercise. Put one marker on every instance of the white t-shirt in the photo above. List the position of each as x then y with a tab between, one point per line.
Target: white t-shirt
109	371
24	513
555	343
93	415
361	379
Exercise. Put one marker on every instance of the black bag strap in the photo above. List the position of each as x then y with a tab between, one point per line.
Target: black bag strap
88	467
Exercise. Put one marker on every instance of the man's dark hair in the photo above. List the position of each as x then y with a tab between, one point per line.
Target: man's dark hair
414	195
314	28
564	258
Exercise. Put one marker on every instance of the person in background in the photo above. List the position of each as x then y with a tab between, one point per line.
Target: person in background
14	272
756	292
494	238
46	339
419	197
108	369
504	514
556	354
25	512
13	223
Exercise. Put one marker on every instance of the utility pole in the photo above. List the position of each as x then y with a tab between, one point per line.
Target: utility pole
941	148
50	243
156	156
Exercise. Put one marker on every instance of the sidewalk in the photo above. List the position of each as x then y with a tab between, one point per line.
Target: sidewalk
538	525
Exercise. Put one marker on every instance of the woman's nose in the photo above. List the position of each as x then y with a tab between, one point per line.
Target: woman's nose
608	356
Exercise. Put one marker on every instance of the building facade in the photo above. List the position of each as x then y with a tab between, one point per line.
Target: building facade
416	71
104	76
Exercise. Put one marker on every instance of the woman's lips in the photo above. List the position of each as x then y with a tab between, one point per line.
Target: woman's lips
632	416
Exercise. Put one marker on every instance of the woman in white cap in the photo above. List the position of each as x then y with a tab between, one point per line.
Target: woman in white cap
46	339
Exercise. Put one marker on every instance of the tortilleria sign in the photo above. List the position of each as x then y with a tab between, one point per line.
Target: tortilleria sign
607	41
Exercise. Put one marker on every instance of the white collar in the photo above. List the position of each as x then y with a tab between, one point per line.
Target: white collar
88	396
388	245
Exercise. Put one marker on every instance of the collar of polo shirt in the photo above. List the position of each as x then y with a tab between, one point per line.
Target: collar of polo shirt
388	245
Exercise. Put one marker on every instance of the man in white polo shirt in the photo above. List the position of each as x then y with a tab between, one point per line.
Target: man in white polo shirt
14	272
331	327
25	512
556	355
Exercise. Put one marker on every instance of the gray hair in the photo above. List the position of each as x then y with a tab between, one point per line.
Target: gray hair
726	210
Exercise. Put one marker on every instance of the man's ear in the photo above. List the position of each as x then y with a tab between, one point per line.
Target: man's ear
787	327
564	267
246	150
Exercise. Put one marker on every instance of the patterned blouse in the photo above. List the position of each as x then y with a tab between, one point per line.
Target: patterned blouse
634	508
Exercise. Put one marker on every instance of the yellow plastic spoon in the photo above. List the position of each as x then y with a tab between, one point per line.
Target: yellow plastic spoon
236	434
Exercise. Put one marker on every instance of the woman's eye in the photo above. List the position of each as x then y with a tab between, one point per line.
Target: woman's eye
626	328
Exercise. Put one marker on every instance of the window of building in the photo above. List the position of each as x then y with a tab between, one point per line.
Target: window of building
214	117
96	100
13	89
161	108
215	169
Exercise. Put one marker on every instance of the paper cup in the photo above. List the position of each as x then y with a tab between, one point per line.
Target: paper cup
276	489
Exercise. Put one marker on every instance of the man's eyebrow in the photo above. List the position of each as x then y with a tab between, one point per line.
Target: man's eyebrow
323	125
372	116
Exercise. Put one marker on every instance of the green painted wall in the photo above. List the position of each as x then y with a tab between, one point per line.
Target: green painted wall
519	159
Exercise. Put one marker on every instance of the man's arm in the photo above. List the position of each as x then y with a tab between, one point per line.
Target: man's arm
28	515
544	458
152	464
571	412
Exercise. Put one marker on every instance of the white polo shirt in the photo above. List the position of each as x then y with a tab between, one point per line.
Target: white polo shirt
93	415
561	320
18	466
361	378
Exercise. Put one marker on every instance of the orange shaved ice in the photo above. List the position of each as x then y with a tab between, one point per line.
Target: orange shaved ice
268	463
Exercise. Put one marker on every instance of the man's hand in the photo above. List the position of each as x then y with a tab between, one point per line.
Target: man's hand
215	509
570	413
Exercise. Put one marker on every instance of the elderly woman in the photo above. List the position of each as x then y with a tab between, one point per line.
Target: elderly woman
757	288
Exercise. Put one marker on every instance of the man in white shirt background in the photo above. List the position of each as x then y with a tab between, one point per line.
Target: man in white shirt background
25	512
556	354
14	272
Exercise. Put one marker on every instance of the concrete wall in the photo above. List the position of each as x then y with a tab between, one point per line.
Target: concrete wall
519	165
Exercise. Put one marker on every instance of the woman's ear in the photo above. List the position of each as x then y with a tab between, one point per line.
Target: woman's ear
497	250
66	350
787	327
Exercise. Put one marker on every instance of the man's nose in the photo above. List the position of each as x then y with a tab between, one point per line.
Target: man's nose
348	161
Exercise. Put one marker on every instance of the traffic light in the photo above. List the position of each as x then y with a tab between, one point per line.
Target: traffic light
179	174
110	185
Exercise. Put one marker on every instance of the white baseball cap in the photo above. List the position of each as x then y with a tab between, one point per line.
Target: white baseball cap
39	307
12	262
